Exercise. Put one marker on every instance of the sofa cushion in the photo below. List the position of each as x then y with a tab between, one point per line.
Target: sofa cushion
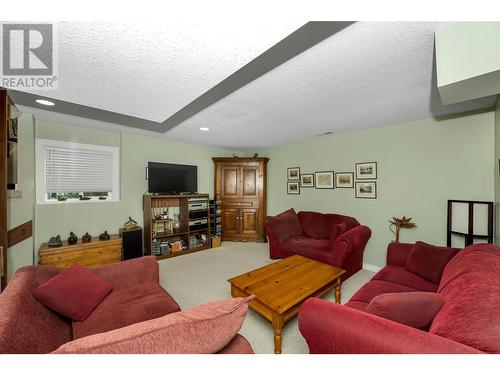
337	230
127	306
296	242
470	289
428	261
309	248
374	288
400	275
203	329
285	225
316	225
414	309
74	292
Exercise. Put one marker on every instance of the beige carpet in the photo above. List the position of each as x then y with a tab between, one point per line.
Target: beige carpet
202	277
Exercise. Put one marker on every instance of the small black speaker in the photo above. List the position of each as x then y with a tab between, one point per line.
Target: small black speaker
131	243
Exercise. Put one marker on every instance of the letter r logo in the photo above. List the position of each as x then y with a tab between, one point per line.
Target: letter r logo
27	49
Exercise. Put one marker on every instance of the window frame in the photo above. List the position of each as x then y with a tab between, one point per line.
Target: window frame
41	194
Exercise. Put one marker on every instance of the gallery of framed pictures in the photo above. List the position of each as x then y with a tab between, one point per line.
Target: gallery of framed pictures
340	180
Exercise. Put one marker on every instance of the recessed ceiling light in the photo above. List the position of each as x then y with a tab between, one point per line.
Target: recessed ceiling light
204	129
44	102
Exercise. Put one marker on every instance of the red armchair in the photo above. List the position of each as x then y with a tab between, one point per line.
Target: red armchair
467	322
315	239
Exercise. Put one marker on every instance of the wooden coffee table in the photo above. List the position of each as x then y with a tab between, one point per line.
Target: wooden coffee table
281	287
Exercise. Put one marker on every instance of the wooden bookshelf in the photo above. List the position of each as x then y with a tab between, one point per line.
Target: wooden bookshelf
187	209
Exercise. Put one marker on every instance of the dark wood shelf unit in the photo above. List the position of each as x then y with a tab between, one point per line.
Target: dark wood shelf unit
173	234
178	204
188	251
199	230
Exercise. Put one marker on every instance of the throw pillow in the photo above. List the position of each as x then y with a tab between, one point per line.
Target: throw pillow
285	225
428	261
74	293
414	309
337	230
203	329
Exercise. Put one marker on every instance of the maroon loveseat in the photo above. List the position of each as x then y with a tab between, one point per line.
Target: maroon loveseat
468	321
338	240
28	327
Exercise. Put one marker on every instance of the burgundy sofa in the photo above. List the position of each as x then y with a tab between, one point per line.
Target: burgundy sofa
316	242
28	327
468	321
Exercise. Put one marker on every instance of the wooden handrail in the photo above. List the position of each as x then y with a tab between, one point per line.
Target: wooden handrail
20	233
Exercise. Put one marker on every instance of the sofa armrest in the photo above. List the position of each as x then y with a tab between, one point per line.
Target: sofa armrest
353	240
238	345
397	253
270	234
331	328
130	272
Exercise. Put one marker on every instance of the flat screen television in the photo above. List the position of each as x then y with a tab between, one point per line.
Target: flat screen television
166	178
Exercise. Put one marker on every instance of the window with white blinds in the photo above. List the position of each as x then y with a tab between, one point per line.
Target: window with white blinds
76	171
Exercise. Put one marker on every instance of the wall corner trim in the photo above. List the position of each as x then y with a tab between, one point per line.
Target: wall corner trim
371	267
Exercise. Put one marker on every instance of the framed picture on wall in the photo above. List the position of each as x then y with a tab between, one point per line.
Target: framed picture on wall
366	170
307	180
293	173
293	187
366	190
344	180
324	180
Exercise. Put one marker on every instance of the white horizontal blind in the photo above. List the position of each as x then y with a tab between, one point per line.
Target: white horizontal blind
78	169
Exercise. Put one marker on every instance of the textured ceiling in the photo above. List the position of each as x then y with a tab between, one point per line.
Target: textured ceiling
151	70
366	75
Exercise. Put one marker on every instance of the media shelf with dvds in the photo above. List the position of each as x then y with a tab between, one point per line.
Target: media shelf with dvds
176	224
215	220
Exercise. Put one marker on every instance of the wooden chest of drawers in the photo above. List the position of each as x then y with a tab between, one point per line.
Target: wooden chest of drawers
90	254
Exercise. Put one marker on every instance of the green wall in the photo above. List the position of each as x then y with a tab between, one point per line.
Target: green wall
95	217
135	152
421	165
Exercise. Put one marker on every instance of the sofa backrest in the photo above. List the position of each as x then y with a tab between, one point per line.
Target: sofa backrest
27	326
319	226
470	289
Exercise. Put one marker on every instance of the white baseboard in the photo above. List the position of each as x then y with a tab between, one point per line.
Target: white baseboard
371	267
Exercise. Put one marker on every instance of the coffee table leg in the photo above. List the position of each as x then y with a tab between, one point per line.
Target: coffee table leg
337	290
278	323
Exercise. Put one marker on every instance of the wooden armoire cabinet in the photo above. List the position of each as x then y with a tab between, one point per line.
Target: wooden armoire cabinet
240	184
